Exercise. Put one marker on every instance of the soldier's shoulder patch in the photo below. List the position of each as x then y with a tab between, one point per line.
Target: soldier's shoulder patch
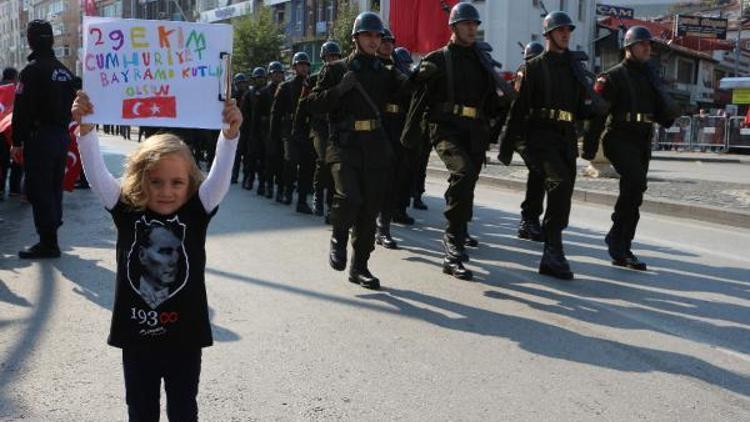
601	82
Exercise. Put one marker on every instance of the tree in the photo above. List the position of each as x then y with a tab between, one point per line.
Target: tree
257	40
346	12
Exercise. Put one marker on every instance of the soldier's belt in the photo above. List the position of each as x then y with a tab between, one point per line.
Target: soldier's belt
460	110
553	114
635	118
366	125
393	108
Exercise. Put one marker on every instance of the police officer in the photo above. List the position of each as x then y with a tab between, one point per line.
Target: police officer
533	204
541	125
41	116
239	88
298	160
353	92
638	101
458	98
255	146
262	121
399	181
330	51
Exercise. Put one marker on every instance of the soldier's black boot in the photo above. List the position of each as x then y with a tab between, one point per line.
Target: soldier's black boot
337	254
401	217
360	274
280	194
261	188
530	229
418	204
456	268
287	198
318	208
454	246
627	259
553	262
247	183
302	206
269	190
46	248
383	234
471	242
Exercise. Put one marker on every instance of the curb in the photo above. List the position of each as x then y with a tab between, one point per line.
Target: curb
699	159
660	207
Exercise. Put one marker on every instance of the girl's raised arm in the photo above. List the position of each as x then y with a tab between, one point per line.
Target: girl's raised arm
216	185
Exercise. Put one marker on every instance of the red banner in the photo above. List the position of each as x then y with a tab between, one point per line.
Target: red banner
89	7
420	25
7	97
139	108
73	165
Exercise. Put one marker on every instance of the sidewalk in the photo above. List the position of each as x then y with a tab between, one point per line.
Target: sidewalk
701	186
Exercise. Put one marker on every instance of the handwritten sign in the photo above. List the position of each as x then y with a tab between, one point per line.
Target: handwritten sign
155	73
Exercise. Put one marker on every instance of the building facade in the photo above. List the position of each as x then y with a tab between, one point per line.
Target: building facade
13	48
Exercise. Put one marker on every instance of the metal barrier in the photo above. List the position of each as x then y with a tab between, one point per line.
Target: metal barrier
738	135
676	137
709	133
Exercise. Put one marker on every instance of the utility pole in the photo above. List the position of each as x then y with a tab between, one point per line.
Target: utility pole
739	37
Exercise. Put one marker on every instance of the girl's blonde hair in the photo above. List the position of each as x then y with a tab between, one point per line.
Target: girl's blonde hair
142	160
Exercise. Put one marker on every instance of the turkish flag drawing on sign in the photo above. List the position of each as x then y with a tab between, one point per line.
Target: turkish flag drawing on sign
7	97
143	108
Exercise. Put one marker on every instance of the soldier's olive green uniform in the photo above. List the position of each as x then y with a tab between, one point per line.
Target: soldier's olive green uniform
457	102
297	155
630	87
358	152
541	126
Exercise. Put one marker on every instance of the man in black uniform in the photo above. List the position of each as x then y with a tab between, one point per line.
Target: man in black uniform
541	125
239	88
255	145
298	158
458	99
399	181
533	204
330	51
638	100
41	117
262	121
354	92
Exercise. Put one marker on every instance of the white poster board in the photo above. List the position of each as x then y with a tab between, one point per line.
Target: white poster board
155	73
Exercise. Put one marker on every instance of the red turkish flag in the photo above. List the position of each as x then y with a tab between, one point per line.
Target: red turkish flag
143	108
73	165
89	7
7	97
420	25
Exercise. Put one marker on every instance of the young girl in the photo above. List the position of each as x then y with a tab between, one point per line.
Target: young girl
161	211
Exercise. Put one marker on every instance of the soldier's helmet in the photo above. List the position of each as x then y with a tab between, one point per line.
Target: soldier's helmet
275	67
532	50
330	47
556	20
259	72
239	77
300	57
464	12
402	55
635	35
367	22
388	35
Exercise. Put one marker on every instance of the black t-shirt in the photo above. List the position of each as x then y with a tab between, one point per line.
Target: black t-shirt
161	292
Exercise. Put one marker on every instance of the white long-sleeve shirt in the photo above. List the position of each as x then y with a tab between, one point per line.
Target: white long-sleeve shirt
108	189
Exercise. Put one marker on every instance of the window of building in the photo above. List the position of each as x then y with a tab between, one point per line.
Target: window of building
563	5
685	71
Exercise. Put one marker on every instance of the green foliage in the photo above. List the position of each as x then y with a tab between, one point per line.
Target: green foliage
257	40
346	12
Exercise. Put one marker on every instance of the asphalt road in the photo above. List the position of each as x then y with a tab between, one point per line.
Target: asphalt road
296	341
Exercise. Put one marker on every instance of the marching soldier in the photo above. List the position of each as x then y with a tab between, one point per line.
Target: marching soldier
638	100
533	204
262	121
330	51
458	98
541	125
255	146
353	93
239	88
400	179
298	159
